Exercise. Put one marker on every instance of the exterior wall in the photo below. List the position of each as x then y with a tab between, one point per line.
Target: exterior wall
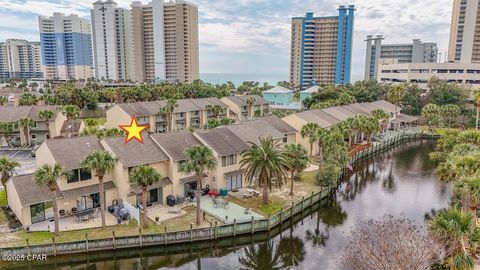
16	205
321	48
278	98
462	73
20	59
59	60
298	123
117	116
234	108
464	43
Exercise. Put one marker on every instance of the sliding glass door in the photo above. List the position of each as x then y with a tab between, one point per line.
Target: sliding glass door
88	202
41	211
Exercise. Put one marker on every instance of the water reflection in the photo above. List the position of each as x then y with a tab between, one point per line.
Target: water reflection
398	182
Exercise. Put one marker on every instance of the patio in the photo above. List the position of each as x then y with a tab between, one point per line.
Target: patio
71	223
229	213
165	212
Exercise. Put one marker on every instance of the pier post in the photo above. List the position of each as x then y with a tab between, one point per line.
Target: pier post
86	242
114	240
281	215
191	232
234	226
140	236
54	246
253	225
165	238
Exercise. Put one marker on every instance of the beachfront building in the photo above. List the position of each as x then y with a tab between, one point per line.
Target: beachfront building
464	43
321	48
21	59
66	42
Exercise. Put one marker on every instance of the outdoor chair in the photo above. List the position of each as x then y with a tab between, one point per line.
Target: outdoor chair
215	202
225	204
62	213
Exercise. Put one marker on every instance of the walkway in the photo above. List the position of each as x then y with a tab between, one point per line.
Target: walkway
227	215
71	224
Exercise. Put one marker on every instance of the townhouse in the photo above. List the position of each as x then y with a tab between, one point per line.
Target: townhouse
329	117
37	132
165	152
244	107
188	113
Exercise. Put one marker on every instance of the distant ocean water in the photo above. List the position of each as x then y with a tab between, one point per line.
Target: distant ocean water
238	78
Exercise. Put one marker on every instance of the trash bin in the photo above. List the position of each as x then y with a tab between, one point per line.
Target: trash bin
223	192
170	200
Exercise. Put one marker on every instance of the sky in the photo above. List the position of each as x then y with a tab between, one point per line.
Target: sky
253	36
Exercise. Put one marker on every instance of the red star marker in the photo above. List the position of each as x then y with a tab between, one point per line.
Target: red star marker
134	130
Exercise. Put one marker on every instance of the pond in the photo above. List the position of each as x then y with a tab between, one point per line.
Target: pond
398	182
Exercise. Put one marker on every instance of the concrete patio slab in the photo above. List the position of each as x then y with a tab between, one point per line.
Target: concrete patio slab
227	215
71	224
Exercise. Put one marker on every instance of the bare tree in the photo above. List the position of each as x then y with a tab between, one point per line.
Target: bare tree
391	243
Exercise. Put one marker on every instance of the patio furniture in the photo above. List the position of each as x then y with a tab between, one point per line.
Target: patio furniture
247	195
255	193
215	202
62	213
79	216
223	192
225	204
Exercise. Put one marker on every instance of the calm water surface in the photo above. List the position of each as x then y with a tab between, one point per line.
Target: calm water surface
398	182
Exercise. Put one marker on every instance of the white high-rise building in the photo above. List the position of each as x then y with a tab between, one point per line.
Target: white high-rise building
20	59
112	40
465	32
66	47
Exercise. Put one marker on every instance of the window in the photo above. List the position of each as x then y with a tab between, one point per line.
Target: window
34	136
180	164
41	211
79	175
229	160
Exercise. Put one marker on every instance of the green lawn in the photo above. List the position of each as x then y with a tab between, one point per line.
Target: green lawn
257	205
3	201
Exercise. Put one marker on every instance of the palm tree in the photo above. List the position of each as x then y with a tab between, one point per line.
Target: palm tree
226	121
167	113
250	101
322	137
3	100
102	163
371	127
25	124
297	158
48	175
291	250
47	115
144	177
396	94
459	231
381	116
6	129
71	112
262	256
476	98
432	113
198	160
215	109
7	168
449	113
266	164
310	131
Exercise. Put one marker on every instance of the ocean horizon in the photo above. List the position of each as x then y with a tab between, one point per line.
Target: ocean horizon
238	78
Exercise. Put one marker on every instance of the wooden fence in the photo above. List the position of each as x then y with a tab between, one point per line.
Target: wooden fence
201	234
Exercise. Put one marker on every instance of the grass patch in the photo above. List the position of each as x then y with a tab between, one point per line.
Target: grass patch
3	197
309	177
256	204
128	229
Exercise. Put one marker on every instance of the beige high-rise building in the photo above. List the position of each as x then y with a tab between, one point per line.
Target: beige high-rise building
165	41
20	59
465	32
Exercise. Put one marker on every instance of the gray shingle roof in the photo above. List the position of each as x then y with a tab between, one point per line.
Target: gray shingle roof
148	108
339	112
358	109
13	114
175	143
203	102
71	152
134	153
384	105
253	130
242	100
29	192
222	140
278	124
323	119
87	190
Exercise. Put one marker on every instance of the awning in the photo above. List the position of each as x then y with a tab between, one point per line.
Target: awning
190	179
87	190
241	171
163	182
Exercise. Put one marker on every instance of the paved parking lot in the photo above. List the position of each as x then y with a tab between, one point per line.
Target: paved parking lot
24	157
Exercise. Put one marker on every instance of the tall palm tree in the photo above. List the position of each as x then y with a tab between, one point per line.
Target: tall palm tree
198	160
102	163
476	98
432	113
25	124
250	101
5	130
396	94
371	127
7	168
167	113
310	131
450	112
48	175
215	109
47	115
459	231
297	158
322	136
266	164
143	177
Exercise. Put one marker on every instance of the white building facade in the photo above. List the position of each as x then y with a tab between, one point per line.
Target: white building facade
20	59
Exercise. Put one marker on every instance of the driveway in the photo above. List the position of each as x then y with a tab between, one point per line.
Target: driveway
24	157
